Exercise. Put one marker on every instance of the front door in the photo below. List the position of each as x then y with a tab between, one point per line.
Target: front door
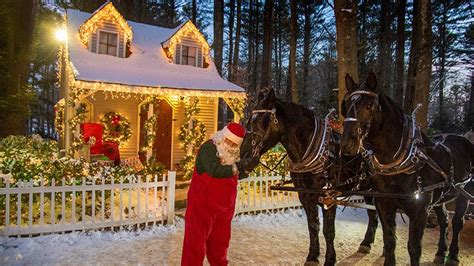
162	146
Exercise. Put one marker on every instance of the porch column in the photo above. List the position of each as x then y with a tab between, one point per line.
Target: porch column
150	113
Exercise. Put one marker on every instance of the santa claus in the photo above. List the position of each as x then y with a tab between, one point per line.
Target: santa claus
211	198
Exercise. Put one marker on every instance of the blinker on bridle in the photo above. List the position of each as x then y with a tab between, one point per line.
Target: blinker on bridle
354	97
257	147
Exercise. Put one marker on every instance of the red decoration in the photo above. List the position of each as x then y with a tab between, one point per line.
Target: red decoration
116	120
111	150
96	130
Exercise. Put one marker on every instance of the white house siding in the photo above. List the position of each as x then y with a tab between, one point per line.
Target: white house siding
109	26
207	115
127	108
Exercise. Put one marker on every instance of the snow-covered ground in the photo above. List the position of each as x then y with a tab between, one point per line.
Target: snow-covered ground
265	239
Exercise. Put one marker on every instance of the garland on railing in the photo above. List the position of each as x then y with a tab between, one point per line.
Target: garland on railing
116	128
59	117
191	135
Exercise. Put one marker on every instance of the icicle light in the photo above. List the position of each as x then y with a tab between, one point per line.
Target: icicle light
106	13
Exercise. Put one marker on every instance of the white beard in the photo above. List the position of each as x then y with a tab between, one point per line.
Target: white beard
225	152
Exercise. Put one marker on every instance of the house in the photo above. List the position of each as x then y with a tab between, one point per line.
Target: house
146	84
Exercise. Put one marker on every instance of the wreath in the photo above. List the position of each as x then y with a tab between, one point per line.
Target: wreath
116	127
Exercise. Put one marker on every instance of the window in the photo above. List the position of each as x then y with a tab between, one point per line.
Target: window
188	55
224	114
107	43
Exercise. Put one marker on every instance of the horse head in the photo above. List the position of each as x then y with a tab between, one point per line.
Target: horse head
360	108
263	128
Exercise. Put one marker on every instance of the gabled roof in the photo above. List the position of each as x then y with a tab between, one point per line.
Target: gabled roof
186	28
147	66
107	10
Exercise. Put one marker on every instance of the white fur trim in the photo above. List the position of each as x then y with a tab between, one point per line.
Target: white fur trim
231	136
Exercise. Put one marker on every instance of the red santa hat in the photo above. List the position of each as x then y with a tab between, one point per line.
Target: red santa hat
234	132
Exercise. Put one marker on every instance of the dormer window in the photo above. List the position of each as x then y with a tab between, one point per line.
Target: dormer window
108	43
188	55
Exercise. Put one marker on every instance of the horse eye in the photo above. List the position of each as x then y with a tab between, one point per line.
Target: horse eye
369	106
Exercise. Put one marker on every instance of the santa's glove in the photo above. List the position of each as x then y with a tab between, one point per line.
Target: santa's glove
241	166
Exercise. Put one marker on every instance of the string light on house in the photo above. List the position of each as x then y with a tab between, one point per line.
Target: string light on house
187	29
105	13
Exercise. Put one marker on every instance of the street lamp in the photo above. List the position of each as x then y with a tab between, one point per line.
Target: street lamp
61	34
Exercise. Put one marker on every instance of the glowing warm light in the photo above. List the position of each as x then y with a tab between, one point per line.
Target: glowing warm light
61	34
187	29
105	13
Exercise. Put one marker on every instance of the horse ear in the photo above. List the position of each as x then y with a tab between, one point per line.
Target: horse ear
268	100
371	82
350	84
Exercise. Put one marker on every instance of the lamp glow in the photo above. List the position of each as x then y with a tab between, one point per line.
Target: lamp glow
61	34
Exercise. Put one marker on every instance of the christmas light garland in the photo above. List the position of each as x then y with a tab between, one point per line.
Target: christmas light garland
59	117
187	29
192	134
150	133
116	128
76	120
107	12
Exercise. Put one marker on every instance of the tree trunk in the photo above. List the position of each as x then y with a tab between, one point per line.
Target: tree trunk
442	66
346	44
469	121
400	52
194	12
384	48
237	34
231	38
20	22
266	78
306	46
419	69
292	86
257	45
218	33
251	45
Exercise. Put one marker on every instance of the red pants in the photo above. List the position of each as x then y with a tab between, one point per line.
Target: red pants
209	212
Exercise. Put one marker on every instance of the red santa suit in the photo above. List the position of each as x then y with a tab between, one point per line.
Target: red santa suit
211	204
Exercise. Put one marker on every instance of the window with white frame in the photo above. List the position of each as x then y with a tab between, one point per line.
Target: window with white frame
188	55
108	43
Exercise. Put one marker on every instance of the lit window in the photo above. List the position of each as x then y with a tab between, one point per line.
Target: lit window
188	56
108	43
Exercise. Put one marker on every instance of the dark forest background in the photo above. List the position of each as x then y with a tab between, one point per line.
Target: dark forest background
421	51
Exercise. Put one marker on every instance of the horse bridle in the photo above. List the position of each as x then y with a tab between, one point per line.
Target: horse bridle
257	147
354	97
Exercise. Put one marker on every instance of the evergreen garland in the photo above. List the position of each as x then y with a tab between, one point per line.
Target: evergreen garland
191	137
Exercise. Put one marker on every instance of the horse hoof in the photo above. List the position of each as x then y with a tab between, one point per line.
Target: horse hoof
452	262
439	260
311	263
364	249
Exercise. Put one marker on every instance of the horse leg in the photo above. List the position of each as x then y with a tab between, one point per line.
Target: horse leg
310	206
329	232
458	223
442	218
386	212
369	238
418	219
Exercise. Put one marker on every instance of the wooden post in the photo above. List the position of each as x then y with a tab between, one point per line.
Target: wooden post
171	195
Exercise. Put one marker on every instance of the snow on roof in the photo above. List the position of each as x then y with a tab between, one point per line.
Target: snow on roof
147	66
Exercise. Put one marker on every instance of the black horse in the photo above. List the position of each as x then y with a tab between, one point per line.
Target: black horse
424	172
294	126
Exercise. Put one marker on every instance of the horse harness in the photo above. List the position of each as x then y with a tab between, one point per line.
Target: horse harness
411	154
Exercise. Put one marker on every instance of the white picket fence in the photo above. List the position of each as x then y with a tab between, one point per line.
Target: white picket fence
254	195
95	204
